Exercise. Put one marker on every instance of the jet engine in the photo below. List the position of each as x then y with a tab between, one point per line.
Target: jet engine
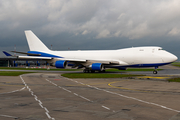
97	66
60	64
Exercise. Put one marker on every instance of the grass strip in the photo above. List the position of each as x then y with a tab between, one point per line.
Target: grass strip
174	80
131	69
12	73
177	64
14	68
96	75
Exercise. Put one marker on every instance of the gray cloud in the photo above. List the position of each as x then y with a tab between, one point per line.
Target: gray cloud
83	23
131	19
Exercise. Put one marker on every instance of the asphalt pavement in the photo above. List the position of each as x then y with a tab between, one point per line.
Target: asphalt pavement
48	95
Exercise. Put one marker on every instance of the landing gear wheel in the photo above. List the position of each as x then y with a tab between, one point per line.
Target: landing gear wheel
102	71
154	72
86	71
92	71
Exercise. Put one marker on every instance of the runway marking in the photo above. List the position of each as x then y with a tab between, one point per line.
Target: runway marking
151	103
9	116
105	107
85	98
78	94
66	90
70	91
88	84
153	77
36	98
13	91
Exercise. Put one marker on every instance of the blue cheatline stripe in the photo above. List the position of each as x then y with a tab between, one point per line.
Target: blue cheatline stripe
44	54
149	65
139	65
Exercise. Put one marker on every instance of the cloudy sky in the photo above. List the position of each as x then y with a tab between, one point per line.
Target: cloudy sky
91	24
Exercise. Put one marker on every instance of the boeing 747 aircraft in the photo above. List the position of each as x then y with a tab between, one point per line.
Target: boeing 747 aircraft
98	60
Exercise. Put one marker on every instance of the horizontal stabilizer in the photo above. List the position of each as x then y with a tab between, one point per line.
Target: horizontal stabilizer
7	54
30	54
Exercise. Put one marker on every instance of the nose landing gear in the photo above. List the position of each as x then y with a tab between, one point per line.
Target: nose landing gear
155	70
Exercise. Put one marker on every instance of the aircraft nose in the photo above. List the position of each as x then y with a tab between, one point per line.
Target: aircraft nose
170	58
174	58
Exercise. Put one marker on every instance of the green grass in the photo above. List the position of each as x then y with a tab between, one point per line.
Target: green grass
16	68
177	64
12	73
131	69
96	75
174	80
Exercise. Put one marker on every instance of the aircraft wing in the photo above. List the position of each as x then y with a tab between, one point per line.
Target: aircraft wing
35	57
76	61
49	58
109	62
90	61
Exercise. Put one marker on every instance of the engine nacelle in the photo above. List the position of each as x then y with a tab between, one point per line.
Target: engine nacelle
60	64
97	66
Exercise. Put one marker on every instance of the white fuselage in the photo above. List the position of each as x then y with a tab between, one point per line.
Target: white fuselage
140	56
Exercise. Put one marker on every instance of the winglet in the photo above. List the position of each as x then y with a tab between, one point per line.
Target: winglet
7	54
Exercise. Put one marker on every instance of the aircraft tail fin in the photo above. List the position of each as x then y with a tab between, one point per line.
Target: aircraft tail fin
34	42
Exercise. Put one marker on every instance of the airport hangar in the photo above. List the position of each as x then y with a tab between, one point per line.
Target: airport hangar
15	62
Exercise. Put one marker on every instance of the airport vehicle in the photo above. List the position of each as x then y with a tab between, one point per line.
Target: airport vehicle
98	60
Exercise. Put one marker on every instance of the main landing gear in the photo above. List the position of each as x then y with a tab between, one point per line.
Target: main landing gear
155	70
91	71
88	71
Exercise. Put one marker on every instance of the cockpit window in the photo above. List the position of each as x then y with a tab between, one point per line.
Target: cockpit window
160	49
